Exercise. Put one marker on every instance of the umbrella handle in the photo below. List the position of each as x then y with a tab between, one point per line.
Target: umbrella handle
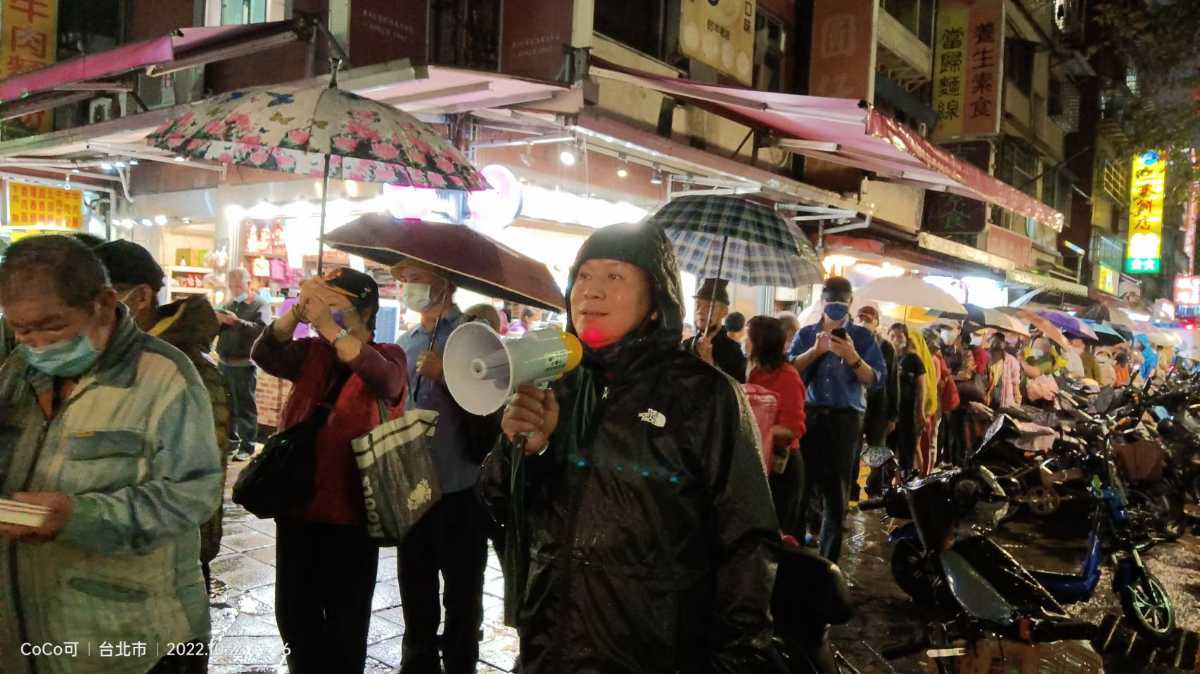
432	343
324	200
712	298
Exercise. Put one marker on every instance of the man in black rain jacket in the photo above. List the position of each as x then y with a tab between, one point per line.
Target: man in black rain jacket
647	519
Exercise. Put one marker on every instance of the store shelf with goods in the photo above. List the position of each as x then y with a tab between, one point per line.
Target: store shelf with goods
178	269
189	291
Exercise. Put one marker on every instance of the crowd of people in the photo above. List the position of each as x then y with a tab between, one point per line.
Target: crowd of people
649	503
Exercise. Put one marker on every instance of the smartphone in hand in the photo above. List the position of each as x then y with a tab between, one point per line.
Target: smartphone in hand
840	333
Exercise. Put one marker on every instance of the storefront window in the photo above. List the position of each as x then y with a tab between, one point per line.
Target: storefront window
237	12
640	24
770	43
915	15
1018	63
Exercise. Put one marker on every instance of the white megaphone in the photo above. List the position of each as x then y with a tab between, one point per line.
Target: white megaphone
484	369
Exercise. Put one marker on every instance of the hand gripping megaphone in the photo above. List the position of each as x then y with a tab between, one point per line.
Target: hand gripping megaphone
483	369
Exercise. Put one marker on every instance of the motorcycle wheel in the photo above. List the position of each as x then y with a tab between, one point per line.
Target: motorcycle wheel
908	568
1148	607
1013	488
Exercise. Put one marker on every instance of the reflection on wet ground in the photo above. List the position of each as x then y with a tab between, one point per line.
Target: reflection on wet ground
247	639
886	615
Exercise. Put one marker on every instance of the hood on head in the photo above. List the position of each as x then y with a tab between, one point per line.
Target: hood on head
646	247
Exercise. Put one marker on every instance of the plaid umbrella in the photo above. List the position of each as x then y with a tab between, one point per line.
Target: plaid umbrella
729	237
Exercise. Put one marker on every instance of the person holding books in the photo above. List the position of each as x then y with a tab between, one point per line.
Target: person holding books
107	435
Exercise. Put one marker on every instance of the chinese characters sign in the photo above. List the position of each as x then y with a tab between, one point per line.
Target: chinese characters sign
968	73
28	40
1187	290
719	33
1143	251
36	206
1106	279
842	65
843	52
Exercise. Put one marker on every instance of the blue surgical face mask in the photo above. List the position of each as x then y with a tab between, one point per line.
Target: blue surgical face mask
837	311
68	358
241	298
1038	353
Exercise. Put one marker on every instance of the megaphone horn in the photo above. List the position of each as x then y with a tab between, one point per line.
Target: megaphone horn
483	369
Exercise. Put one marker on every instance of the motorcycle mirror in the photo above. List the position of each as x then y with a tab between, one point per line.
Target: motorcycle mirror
1104	401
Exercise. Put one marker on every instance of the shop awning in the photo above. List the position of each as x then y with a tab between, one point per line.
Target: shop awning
845	131
183	48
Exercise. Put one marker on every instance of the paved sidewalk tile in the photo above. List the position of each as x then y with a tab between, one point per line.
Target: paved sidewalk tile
246	637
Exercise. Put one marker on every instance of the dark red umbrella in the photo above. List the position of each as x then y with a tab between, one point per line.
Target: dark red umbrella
469	259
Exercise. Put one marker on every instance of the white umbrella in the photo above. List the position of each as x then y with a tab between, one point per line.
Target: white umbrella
910	292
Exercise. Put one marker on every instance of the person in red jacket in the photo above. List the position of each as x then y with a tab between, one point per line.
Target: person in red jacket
325	562
770	369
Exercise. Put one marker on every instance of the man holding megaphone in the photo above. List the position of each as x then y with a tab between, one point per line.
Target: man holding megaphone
450	540
642	500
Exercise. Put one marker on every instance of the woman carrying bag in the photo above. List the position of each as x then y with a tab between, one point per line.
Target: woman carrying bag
325	561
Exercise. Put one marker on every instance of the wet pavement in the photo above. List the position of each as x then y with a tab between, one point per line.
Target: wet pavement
246	639
885	615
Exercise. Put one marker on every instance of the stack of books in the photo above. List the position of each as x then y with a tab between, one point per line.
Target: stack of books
24	514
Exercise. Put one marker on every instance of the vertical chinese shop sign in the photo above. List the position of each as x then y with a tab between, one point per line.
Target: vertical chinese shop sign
28	40
1143	251
968	68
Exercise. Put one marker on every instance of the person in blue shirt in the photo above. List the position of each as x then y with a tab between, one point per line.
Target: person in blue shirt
839	362
451	539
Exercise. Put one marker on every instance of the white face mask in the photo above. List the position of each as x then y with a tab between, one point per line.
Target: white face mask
1038	353
416	296
947	336
976	340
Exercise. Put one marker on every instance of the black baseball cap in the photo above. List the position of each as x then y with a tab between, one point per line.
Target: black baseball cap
129	264
361	289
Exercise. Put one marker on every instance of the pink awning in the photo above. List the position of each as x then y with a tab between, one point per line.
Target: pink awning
846	131
196	45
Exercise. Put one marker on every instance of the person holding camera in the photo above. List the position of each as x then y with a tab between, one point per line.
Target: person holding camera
838	361
325	561
643	503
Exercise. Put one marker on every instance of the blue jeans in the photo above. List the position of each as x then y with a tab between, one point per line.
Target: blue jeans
243	411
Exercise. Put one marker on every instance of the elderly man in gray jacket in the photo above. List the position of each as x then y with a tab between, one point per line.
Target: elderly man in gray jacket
110	431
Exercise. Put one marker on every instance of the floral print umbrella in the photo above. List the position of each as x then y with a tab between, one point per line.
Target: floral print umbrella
323	132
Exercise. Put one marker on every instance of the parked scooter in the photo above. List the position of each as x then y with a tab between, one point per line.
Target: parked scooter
984	596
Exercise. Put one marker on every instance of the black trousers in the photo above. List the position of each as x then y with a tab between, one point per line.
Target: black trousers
325	580
786	490
830	447
242	383
451	540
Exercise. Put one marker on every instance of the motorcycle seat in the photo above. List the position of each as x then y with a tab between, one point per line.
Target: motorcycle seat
810	591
